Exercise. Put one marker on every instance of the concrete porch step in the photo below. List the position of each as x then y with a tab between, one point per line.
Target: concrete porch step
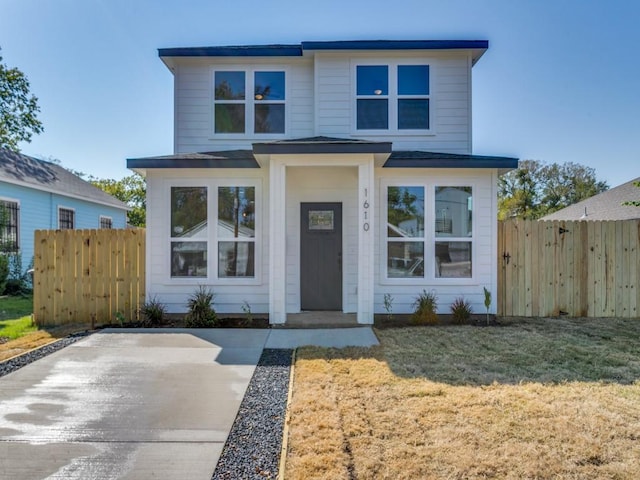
321	320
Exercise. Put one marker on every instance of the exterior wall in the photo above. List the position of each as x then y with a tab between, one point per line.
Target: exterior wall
193	92
323	184
39	211
230	295
483	250
450	99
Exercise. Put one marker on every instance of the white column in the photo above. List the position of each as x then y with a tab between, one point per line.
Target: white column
277	242
366	236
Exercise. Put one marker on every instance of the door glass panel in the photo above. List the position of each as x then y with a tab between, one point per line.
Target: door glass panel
320	219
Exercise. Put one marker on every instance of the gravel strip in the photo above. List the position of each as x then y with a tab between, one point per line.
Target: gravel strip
15	363
252	450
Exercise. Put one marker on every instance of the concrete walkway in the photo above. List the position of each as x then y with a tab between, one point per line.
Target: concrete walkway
137	404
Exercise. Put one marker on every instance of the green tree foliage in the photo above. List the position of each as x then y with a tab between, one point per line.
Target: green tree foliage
536	189
132	190
634	203
18	109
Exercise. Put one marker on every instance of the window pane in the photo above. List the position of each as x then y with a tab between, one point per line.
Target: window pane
189	212
106	222
188	259
236	212
269	118
372	80
229	118
413	80
413	114
236	259
405	211
453	260
373	114
269	86
454	209
405	259
66	219
8	226
229	86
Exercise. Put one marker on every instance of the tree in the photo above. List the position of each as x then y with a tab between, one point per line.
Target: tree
634	203
18	109
132	190
536	189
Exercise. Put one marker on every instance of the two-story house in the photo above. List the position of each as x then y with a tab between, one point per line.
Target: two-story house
322	176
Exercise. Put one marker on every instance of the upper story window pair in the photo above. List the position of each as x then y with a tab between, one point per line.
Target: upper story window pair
249	102
392	97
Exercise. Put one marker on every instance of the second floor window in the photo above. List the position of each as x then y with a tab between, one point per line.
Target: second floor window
66	219
249	102
392	97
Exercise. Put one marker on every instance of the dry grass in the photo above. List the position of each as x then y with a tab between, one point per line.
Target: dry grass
37	339
537	399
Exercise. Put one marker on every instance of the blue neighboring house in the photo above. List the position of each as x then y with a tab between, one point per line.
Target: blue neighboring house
39	195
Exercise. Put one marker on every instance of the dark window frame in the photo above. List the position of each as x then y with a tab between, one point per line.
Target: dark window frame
9	226
66	218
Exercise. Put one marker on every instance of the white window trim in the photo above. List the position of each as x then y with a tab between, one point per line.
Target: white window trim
249	102
105	217
18	232
392	97
75	219
212	232
430	238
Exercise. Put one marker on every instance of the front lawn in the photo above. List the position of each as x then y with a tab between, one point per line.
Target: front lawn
537	398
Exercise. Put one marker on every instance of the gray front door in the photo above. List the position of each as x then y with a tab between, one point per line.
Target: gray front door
321	256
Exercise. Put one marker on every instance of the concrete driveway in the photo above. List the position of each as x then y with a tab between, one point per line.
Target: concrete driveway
125	404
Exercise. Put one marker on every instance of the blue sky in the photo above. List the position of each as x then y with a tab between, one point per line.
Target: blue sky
560	81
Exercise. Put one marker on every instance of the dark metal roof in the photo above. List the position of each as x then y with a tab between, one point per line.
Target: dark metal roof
321	145
234	51
417	159
296	50
604	206
19	169
395	45
225	159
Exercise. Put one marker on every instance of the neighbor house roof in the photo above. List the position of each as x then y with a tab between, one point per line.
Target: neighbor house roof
19	169
604	206
478	47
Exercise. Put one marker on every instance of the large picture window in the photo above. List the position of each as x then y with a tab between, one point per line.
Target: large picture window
453	231
9	211
236	232
405	231
249	102
189	232
392	97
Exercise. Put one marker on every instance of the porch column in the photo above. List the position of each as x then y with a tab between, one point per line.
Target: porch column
366	236
277	242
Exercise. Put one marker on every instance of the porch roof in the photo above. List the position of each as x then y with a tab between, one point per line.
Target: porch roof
321	145
418	159
224	159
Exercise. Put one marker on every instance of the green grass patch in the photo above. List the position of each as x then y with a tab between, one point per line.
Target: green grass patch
15	316
16	328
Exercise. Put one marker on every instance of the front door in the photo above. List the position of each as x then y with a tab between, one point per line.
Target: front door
321	256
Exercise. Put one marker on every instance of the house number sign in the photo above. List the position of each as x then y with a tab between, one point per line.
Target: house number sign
365	211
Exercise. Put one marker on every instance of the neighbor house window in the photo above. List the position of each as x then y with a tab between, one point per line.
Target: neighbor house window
392	97
106	222
405	231
9	211
236	231
453	231
66	218
189	232
249	102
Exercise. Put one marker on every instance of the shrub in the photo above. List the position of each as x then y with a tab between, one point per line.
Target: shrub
153	312
18	281
461	311
425	308
388	306
4	272
201	313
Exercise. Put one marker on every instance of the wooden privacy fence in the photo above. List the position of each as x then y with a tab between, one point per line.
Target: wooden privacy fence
578	268
88	276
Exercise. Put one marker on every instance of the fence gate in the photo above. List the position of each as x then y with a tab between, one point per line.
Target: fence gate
579	268
88	276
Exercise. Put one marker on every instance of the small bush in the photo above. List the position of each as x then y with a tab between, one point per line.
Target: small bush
153	312
425	307
201	313
4	272
461	311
